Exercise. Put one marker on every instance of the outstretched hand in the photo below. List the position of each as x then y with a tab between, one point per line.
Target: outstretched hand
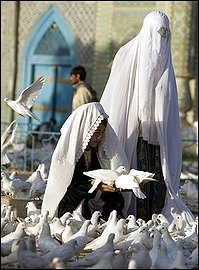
106	188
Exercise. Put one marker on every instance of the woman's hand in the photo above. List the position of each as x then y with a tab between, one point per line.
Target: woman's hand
106	188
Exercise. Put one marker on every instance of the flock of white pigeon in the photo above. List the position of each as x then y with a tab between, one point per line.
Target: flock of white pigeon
37	241
71	242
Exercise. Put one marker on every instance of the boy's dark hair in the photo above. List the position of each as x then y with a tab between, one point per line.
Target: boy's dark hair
79	70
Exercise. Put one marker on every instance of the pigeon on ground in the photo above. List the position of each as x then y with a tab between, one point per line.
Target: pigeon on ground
106	176
38	187
14	175
43	170
56	228
142	258
179	261
8	239
67	233
19	185
82	236
92	257
6	188
131	223
28	259
27	98
32	209
105	262
45	241
4	221
12	186
19	232
102	239
65	251
120	259
3	209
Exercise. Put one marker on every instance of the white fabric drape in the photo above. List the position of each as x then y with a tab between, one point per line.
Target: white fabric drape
141	95
75	136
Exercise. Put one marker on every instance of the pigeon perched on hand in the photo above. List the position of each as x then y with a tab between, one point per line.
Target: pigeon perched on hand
129	182
106	176
133	180
142	176
27	98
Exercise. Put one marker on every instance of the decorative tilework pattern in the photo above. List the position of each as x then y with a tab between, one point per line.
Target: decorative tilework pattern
99	29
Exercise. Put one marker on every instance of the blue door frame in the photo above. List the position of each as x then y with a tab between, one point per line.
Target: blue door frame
54	62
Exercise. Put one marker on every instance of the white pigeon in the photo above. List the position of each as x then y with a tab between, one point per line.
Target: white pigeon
19	185
43	170
32	209
27	98
38	186
7	141
102	239
131	223
133	179
129	182
14	175
6	188
106	176
81	236
142	176
120	230
8	239
13	186
6	133
67	233
56	228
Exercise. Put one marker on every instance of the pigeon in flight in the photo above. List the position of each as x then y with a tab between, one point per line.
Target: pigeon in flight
26	99
7	140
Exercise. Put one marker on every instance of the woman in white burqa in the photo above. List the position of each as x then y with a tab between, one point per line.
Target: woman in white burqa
140	98
87	142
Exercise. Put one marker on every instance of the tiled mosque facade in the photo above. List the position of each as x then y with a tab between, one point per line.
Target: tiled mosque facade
99	28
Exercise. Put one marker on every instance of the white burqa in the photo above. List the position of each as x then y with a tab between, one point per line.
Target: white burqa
141	95
75	136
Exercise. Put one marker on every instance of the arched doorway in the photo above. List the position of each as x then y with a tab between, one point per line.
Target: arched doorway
50	52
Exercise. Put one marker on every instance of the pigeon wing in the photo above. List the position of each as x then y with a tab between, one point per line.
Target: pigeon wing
14	135
94	186
30	94
138	193
6	135
102	174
